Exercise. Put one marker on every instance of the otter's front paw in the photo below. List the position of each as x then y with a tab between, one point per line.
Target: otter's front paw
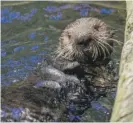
71	66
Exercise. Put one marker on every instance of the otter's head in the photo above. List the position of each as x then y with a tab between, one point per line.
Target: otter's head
85	38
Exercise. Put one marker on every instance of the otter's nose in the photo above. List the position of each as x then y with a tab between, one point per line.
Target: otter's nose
84	42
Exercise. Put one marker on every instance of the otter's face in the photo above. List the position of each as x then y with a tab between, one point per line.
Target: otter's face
85	38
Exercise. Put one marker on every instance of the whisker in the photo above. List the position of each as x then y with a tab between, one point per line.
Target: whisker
96	52
103	50
93	54
106	49
107	45
99	51
103	41
118	42
64	52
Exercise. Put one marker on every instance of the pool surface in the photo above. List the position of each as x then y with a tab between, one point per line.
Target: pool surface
30	32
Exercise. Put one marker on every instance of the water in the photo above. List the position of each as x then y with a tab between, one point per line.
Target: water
30	32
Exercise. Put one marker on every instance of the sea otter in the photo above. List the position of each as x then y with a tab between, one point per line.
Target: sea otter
87	41
84	41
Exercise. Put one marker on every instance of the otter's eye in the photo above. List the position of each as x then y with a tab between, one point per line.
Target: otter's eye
69	36
96	27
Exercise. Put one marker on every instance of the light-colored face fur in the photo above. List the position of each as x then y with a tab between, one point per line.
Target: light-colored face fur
85	37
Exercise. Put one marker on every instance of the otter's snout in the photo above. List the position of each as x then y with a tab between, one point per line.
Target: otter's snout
84	42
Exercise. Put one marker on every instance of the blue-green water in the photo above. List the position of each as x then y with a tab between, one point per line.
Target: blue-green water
30	32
